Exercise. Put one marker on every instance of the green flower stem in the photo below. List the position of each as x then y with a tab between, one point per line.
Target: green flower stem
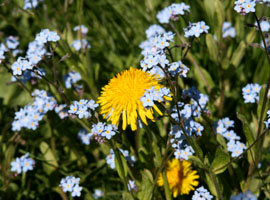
168	194
119	160
213	177
268	81
164	177
259	134
190	142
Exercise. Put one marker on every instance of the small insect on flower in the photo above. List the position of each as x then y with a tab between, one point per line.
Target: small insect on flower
181	178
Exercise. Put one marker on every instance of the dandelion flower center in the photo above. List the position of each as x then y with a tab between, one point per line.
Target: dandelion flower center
181	177
122	97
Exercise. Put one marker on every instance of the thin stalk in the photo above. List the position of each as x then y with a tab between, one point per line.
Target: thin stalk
268	81
166	186
18	80
251	167
119	160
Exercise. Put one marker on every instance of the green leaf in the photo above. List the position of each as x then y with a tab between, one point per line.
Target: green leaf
123	161
127	196
260	105
238	54
210	184
51	163
196	161
204	78
221	140
219	7
145	192
250	135
210	7
196	147
221	158
212	47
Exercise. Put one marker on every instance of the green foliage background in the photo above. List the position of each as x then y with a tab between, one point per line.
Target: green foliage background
217	68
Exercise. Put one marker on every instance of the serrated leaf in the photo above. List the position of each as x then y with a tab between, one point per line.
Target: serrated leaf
221	158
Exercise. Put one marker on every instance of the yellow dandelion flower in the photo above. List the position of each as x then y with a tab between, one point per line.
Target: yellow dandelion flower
181	177
122	97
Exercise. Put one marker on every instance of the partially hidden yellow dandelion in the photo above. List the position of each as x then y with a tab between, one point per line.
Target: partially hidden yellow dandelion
122	97
181	177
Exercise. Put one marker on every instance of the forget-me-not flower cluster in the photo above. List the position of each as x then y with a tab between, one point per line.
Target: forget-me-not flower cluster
233	145
82	43
251	93
154	50
111	156
30	4
245	6
98	194
202	194
196	29
22	164
84	136
71	184
228	30
82	28
172	12
182	149
61	111
152	94
29	116
188	113
82	108
104	130
71	78
35	52
244	196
